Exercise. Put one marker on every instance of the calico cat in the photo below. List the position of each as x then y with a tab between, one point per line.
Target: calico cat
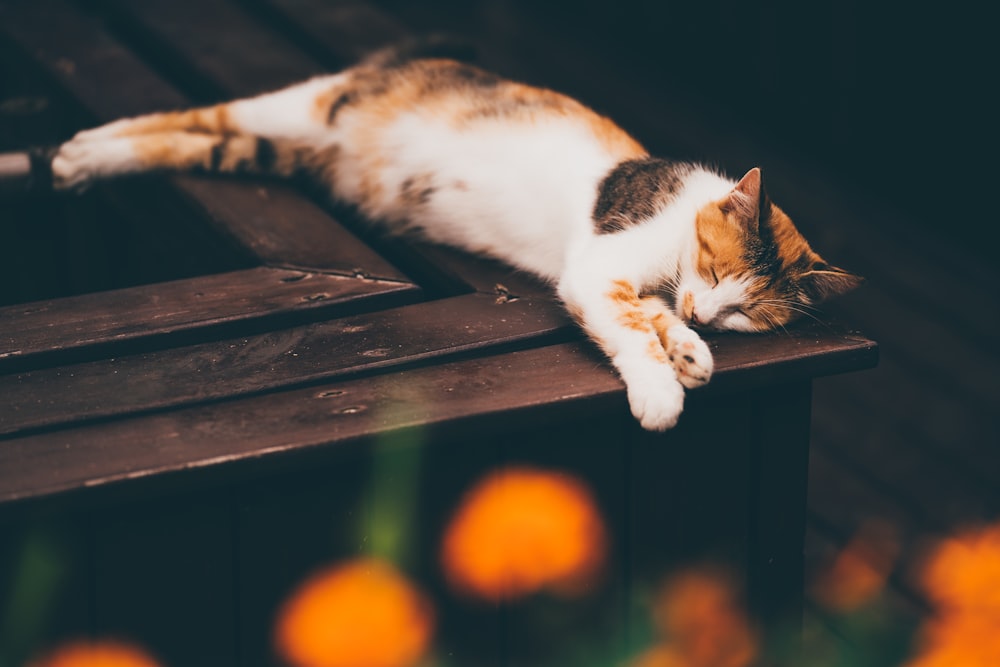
643	251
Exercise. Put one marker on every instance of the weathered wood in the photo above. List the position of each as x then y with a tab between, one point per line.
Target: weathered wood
475	394
106	322
224	439
408	335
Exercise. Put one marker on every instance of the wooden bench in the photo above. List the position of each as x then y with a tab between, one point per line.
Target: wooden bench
185	440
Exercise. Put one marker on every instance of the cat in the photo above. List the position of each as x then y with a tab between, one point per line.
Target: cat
642	251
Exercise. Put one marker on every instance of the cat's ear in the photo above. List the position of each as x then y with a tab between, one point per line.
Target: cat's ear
748	200
824	282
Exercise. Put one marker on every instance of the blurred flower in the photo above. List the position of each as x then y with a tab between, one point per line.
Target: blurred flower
520	530
361	613
963	572
101	653
860	570
962	579
701	624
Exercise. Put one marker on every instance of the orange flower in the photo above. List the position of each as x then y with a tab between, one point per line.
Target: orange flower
701	623
861	569
964	571
962	578
362	613
959	640
520	530
103	653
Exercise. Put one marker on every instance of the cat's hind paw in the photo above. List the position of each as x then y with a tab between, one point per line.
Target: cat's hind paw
79	162
690	356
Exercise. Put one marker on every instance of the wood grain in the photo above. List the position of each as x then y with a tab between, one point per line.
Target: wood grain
34	334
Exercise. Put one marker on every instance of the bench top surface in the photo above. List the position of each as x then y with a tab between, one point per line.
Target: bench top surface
325	335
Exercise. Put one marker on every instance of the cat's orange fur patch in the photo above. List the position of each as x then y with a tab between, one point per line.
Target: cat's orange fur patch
212	120
631	313
721	242
687	305
656	351
459	94
623	292
617	142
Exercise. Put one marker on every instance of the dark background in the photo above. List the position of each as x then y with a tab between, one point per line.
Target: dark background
893	99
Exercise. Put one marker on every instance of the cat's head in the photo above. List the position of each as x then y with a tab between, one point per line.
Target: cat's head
753	270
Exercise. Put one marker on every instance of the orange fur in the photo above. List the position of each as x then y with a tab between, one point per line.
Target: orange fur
631	314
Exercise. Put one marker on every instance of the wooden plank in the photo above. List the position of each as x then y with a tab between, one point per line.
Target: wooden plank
280	226
516	388
359	344
226	437
251	364
104	322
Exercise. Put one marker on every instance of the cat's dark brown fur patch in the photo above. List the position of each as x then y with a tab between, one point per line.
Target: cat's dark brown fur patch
635	191
417	190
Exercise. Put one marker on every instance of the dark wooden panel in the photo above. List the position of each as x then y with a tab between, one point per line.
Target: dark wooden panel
687	506
778	473
164	578
105	319
286	531
402	336
45	570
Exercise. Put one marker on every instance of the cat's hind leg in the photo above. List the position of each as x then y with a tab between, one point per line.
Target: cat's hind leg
295	112
275	133
80	162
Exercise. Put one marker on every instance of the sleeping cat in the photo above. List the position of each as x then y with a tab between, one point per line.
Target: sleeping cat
643	251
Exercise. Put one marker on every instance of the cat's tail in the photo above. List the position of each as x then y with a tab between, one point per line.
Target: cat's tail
435	45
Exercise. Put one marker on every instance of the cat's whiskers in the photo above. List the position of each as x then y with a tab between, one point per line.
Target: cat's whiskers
771	318
794	306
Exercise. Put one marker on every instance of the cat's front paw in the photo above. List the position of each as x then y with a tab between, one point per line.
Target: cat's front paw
656	403
690	356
